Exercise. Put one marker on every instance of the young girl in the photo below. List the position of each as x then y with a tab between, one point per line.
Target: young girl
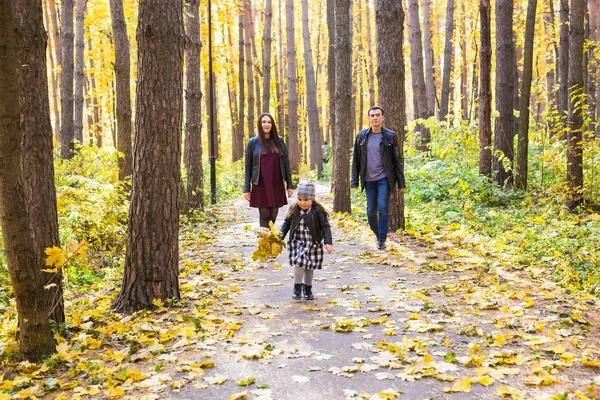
309	227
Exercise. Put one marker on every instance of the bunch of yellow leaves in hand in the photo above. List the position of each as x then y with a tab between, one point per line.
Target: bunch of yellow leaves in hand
269	243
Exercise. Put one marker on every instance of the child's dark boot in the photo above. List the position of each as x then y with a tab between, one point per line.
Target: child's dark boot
297	295
308	292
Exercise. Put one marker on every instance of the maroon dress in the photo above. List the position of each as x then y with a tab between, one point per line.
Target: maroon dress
270	191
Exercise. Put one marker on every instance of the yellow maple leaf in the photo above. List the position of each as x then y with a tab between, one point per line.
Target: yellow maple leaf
115	392
589	362
462	385
509	391
56	258
486	380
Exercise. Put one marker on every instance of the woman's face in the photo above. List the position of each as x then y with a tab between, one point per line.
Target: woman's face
266	124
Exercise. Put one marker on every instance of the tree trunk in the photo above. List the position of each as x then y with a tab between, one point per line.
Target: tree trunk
123	89
237	151
249	67
314	129
522	152
563	62
429	73
233	106
595	26
266	66
193	104
550	52
343	110
448	49
389	17
293	143
422	110
96	132
67	129
331	68
505	56
37	151
151	260
575	134
280	82
485	91
79	46
53	73
464	92
36	340
370	61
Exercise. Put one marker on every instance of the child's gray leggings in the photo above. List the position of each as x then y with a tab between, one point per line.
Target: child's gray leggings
303	275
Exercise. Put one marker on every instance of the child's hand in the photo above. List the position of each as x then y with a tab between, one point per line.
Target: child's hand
329	248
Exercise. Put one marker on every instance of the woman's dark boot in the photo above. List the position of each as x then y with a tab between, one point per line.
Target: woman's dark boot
308	292
297	295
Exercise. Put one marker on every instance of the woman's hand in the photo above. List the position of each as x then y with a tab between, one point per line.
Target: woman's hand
247	196
290	192
329	248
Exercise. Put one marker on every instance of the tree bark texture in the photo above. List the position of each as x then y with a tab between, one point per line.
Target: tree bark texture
575	133
123	88
595	10
96	132
67	129
448	49
314	130
505	56
563	61
464	90
79	63
266	66
429	68
292	81
36	340
331	68
420	105
233	99
237	151
193	101
389	18
54	72
280	81
37	151
343	110
485	90
193	104
151	260
549	58
370	60
249	66
523	144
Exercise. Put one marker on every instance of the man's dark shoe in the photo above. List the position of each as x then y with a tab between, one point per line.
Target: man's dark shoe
297	295
308	292
380	245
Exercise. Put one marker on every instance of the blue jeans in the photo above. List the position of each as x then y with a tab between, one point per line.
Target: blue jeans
378	199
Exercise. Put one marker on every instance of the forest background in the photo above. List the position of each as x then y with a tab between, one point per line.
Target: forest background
464	85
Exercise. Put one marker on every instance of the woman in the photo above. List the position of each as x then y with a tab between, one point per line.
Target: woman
267	167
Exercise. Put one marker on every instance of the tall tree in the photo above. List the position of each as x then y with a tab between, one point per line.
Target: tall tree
550	52
505	56
96	132
237	151
522	151
389	18
595	10
54	72
123	89
576	94
293	143
429	73
79	46
448	50
37	151
343	110
193	103
485	90
331	67
67	129
151	259
249	65
563	61
266	66
36	340
420	105
232	95
464	95
311	96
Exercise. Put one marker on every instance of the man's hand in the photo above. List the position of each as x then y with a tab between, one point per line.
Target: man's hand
329	248
290	192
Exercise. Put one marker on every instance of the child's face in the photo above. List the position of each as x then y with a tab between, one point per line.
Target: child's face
304	204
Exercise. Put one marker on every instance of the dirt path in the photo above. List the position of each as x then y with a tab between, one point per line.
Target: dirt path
418	321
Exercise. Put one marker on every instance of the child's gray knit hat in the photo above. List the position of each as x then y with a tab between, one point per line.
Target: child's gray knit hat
306	190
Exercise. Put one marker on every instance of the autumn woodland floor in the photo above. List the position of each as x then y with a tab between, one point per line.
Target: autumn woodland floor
425	319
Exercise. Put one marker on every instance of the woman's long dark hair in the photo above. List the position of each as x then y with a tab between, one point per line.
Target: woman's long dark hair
295	209
274	136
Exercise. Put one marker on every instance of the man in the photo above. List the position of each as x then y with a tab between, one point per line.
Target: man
327	151
378	164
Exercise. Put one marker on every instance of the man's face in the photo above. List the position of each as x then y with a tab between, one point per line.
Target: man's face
376	118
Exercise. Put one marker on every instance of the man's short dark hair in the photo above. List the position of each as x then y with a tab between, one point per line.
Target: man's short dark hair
375	108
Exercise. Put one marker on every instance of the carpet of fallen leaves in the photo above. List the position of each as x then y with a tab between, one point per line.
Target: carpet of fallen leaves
429	318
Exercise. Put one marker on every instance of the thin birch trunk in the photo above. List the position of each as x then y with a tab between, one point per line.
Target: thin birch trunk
293	143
